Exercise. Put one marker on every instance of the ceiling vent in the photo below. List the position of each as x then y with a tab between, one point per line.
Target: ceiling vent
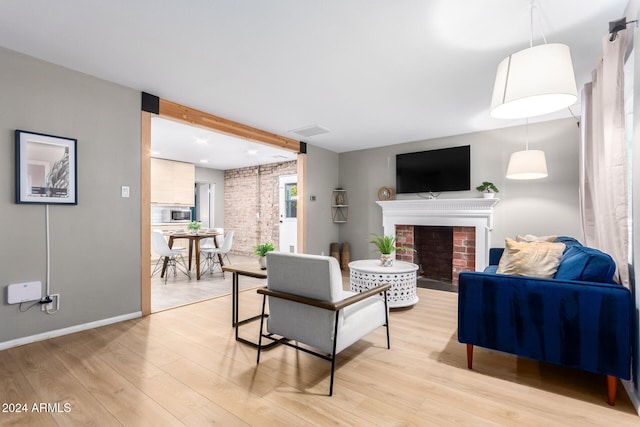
310	130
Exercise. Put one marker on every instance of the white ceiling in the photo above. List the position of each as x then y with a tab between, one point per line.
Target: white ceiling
374	72
176	141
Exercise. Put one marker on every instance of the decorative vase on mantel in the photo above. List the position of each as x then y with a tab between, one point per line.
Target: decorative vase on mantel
386	260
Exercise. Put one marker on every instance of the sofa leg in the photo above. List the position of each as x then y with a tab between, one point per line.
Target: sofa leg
612	384
469	355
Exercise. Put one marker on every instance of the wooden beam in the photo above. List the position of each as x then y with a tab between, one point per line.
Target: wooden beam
302	203
174	111
145	216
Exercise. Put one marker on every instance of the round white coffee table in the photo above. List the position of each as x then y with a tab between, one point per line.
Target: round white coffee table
368	273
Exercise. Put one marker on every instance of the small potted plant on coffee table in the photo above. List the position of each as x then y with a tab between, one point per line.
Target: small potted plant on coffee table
261	250
386	245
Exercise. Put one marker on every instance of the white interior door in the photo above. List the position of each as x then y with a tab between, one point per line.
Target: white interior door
288	213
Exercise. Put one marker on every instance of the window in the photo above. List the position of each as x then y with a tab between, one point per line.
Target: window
291	200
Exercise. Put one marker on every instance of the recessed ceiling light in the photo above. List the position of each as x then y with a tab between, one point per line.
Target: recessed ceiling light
201	141
252	152
204	161
155	153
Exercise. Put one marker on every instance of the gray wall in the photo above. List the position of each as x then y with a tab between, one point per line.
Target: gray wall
95	246
322	177
546	206
214	176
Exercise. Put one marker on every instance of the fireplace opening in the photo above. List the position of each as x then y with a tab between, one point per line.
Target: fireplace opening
442	252
434	246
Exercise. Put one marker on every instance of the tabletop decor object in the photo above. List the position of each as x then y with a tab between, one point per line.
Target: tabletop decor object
488	189
261	250
194	226
386	245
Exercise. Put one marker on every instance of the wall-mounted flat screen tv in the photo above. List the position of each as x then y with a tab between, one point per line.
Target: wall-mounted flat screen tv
447	169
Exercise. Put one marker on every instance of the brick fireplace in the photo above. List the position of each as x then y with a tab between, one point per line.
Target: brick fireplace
468	222
442	252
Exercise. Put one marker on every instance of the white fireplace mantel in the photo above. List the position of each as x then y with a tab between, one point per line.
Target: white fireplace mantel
476	213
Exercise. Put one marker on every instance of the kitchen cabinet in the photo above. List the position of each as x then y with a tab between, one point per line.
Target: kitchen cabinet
172	183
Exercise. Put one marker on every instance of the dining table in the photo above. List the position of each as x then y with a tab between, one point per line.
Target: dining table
194	246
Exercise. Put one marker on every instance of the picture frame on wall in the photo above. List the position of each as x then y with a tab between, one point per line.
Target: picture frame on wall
46	169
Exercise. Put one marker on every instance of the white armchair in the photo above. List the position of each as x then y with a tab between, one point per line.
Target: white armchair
308	305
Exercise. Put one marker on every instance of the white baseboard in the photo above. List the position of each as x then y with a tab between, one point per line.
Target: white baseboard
633	394
70	330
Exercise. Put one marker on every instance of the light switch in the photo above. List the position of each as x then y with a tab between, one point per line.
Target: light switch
125	191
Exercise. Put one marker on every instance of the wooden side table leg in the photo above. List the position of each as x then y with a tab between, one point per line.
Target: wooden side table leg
469	356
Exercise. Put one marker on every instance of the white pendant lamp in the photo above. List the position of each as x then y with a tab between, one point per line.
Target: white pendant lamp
527	164
534	81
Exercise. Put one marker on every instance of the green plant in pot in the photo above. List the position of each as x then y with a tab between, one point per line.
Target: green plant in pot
386	245
488	189
261	250
194	226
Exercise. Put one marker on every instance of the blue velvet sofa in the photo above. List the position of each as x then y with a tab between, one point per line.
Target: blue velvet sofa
580	318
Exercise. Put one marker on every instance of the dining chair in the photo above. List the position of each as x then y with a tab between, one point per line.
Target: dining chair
174	258
214	255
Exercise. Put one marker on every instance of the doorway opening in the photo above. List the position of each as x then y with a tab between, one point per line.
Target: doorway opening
288	190
196	119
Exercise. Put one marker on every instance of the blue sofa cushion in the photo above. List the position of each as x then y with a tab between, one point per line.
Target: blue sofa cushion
568	241
586	264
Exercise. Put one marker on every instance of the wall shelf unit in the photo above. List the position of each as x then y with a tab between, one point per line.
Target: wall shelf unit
339	206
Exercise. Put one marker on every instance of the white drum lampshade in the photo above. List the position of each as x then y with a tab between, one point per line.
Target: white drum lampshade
528	164
534	81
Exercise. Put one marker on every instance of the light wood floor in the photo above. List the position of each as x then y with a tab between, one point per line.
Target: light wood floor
183	367
181	290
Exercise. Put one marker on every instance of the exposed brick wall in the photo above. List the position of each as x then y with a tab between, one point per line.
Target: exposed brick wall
464	251
251	206
462	254
404	237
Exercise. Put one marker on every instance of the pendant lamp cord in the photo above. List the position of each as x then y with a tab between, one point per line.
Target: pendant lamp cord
531	7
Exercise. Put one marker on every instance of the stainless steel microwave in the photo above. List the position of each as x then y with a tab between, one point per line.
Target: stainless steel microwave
180	215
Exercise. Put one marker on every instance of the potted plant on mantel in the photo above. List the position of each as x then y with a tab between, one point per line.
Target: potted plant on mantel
386	245
261	250
488	189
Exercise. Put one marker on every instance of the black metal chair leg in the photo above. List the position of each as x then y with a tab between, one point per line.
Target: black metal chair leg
386	319
264	300
333	354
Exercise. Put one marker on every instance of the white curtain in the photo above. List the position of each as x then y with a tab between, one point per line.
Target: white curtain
603	170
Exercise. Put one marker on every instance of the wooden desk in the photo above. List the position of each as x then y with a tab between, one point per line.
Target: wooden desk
249	269
195	237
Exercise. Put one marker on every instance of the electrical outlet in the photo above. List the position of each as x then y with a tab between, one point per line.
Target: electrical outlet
48	307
